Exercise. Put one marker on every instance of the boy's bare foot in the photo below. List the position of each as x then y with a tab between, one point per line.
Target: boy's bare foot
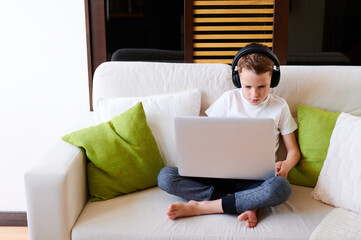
194	208
250	217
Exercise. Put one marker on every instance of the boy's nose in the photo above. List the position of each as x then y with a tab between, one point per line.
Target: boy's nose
254	93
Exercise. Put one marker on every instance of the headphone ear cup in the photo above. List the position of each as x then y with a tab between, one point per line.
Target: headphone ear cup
236	80
276	75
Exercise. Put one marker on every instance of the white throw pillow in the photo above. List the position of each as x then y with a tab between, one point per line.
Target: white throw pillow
339	183
160	111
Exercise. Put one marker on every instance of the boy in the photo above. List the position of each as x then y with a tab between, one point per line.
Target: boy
255	64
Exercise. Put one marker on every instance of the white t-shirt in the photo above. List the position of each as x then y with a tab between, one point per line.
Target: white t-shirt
233	104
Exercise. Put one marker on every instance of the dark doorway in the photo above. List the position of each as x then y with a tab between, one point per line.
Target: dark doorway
144	24
324	32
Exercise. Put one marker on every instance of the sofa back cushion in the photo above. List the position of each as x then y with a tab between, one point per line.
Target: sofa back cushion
138	79
330	88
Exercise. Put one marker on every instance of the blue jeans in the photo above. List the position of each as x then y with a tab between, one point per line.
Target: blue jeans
237	195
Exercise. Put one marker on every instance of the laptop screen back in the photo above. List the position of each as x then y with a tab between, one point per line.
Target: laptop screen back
235	148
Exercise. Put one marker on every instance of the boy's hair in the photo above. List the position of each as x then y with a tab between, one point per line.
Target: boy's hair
256	62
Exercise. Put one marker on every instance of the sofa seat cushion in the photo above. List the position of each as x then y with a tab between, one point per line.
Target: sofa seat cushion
338	224
142	215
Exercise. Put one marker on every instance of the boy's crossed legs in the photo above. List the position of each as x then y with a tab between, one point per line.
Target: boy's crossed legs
210	196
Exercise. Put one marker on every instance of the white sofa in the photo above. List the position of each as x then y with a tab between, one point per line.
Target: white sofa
56	189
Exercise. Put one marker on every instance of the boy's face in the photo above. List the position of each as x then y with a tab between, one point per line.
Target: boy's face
255	87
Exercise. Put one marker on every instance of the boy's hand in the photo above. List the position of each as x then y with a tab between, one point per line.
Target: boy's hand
282	169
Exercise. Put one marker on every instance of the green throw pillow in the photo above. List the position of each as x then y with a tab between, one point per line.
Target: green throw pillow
123	154
314	133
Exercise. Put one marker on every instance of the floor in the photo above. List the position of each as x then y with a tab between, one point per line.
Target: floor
14	233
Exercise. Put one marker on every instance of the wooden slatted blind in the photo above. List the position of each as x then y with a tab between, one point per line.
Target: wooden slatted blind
221	28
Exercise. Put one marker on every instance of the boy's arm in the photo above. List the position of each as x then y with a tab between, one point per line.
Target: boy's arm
293	156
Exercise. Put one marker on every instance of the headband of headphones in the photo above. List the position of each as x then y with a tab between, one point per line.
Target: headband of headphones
256	48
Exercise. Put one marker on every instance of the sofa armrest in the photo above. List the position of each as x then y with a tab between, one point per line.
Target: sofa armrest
56	192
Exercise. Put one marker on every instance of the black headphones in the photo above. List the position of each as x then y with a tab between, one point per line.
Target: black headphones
256	48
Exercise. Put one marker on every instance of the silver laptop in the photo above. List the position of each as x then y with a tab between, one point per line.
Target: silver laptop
236	148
